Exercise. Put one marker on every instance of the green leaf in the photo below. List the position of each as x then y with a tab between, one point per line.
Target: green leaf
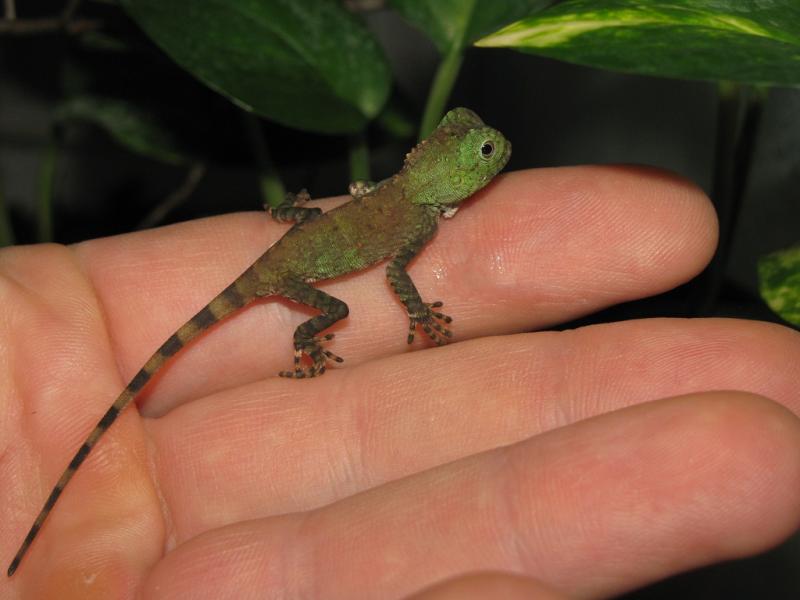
307	64
396	120
750	41
779	282
134	128
458	23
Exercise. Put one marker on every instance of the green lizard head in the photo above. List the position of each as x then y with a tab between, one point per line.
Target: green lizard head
460	157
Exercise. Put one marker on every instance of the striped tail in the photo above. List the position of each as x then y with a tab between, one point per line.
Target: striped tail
232	298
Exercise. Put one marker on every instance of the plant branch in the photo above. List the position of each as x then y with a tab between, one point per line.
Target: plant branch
69	10
272	190
176	198
64	22
738	118
48	25
358	157
46	192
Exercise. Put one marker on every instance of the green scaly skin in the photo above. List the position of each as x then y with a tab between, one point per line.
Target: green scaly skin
392	219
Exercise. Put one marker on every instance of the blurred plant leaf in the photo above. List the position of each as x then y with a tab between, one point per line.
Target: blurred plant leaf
458	23
397	119
103	41
779	283
134	128
750	41
308	64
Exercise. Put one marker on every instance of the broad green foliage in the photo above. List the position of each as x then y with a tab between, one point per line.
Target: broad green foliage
779	280
307	64
128	124
751	41
458	23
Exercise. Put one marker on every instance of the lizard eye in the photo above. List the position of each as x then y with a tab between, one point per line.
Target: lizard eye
487	149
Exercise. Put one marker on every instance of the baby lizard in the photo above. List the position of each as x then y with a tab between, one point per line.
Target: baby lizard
391	220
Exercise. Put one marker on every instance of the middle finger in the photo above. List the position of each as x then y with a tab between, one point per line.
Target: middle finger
277	446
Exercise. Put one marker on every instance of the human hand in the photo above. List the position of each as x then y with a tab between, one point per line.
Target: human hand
594	460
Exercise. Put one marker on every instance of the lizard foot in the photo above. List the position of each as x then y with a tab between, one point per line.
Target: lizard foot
311	347
431	322
291	210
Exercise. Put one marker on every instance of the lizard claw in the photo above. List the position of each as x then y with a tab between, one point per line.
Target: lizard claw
311	347
431	322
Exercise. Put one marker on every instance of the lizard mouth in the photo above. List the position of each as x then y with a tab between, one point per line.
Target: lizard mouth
506	154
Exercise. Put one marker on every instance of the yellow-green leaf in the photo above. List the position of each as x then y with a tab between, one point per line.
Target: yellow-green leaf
779	282
458	23
750	41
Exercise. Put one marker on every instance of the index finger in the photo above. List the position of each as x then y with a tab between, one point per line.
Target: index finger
535	248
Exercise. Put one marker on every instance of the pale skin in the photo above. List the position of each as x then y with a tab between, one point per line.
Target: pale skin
543	454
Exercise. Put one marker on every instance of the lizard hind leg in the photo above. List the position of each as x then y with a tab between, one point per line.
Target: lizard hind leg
307	340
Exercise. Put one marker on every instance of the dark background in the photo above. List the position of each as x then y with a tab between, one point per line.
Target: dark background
554	113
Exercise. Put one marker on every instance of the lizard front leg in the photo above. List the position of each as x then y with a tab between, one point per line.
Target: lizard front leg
291	209
419	312
306	337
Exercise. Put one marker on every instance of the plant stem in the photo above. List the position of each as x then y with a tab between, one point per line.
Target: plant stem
69	10
442	86
48	25
272	190
174	199
46	190
358	155
6	233
738	117
10	23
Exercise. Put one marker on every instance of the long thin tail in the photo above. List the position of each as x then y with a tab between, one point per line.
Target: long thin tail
232	298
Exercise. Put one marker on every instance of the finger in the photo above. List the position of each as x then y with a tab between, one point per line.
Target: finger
592	509
535	248
106	530
269	449
480	586
57	376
